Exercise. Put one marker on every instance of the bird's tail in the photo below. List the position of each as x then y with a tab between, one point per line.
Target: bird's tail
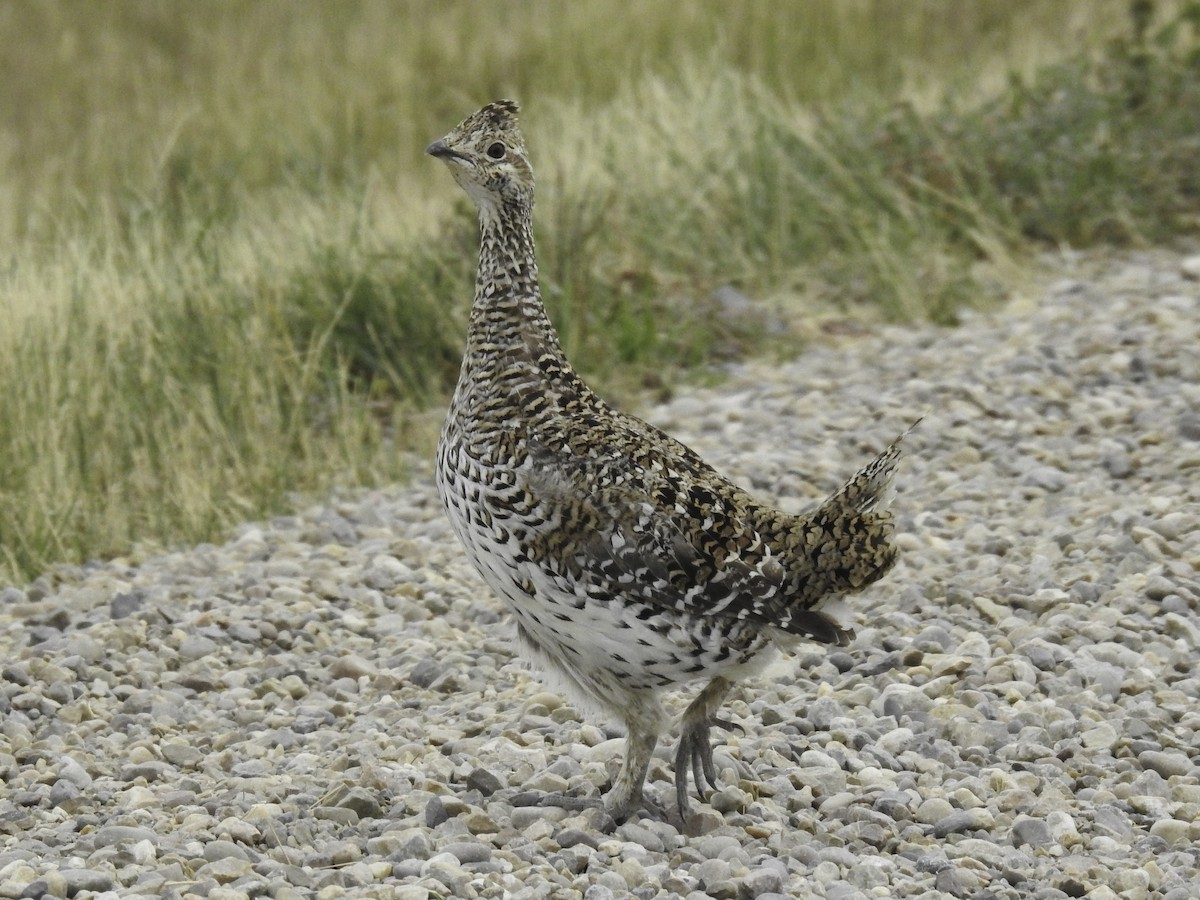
848	541
872	488
857	526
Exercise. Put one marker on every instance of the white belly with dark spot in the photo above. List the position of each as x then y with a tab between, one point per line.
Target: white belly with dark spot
595	648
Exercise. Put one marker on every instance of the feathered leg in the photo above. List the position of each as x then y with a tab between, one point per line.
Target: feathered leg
626	793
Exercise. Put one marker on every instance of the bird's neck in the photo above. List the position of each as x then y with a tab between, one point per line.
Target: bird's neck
508	318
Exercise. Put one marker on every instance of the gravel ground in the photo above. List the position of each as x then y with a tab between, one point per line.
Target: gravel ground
327	705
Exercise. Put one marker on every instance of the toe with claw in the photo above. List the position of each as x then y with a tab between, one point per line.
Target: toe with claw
695	756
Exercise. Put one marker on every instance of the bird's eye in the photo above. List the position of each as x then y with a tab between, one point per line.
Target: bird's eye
496	150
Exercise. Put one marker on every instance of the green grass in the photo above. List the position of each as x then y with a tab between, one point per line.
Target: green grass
229	277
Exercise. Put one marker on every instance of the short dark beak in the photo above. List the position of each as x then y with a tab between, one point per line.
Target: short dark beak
439	148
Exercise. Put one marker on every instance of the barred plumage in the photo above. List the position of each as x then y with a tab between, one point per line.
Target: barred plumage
630	565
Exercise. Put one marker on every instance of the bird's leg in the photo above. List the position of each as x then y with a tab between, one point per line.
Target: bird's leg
695	753
626	796
626	793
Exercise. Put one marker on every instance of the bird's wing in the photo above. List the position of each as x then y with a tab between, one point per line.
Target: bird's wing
661	528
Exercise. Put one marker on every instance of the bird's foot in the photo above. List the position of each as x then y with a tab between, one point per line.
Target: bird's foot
615	808
647	806
569	802
695	756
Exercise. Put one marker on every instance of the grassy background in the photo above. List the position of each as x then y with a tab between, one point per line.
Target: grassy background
228	275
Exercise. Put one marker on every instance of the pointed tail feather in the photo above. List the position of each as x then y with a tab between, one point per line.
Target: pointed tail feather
848	543
872	488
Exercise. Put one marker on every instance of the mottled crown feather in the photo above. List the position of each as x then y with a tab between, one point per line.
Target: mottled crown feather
501	114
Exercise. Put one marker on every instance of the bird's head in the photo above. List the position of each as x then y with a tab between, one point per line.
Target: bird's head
486	155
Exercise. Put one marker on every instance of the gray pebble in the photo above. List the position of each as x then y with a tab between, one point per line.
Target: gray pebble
521	817
352	666
197	646
483	781
85	880
571	837
11	597
224	870
1033	832
958	821
412	843
435	812
714	876
468	851
644	837
70	770
1085	591
1189	426
761	881
336	814
123	605
1166	763
363	802
426	672
111	835
1173	603
1118	464
719	846
956	882
214	850
64	794
1046	477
